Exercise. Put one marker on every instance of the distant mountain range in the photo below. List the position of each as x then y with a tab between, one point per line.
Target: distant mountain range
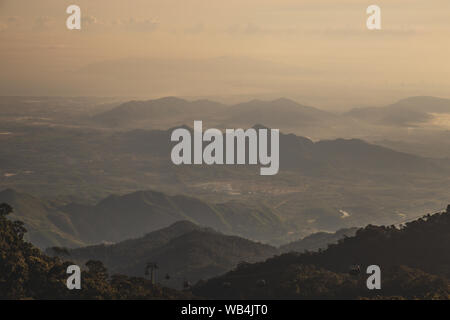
348	155
134	113
183	252
278	113
407	112
80	166
298	153
414	125
316	180
281	113
171	111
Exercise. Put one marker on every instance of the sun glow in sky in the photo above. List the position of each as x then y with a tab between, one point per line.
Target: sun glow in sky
315	51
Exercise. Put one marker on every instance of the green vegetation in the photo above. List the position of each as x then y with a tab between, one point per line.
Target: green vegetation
183	252
414	260
316	241
117	218
27	273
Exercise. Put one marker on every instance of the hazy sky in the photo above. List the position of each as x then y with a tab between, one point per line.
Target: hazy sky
315	51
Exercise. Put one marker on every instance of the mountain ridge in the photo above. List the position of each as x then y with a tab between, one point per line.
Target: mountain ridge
116	218
414	261
183	251
410	111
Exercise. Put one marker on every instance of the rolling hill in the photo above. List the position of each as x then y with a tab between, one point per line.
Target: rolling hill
183	251
297	153
117	218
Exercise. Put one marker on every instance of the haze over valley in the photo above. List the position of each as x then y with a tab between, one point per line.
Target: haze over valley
112	149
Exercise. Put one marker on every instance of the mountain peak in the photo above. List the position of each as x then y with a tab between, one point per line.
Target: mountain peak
179	227
259	126
170	99
183	224
424	104
284	101
184	126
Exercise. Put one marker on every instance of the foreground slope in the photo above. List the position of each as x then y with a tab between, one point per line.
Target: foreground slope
414	261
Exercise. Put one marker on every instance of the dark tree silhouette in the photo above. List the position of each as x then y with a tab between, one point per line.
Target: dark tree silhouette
27	273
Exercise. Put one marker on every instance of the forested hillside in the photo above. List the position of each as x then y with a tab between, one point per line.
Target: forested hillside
183	252
414	261
27	273
318	240
117	218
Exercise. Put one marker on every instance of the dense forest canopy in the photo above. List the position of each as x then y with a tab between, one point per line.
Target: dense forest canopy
414	260
27	273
